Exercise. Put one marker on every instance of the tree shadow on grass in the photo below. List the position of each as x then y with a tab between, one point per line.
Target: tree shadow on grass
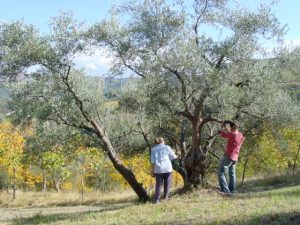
271	183
72	216
95	202
265	194
292	218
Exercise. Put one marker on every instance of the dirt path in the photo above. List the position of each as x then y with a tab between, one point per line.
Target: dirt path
8	215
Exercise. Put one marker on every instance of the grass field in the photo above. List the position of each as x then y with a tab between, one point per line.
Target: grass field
272	201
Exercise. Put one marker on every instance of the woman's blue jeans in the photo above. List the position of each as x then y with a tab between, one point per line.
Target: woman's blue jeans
225	163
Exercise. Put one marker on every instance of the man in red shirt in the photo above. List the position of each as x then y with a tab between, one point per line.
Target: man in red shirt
234	143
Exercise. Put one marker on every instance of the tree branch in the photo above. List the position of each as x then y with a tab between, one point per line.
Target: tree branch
78	101
123	60
131	68
68	123
256	116
183	86
214	155
199	104
198	20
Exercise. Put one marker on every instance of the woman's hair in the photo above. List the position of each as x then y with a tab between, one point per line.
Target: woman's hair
231	124
159	140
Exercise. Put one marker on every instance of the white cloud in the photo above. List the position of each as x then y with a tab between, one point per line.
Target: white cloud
292	43
91	66
97	63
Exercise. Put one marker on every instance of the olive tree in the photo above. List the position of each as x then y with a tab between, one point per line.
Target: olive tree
54	90
202	64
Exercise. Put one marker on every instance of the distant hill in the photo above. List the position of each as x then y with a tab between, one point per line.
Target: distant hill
294	79
112	86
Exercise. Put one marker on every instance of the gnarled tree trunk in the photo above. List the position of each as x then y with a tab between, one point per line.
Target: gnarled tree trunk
119	166
195	161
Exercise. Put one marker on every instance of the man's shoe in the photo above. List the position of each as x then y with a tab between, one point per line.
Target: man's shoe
224	193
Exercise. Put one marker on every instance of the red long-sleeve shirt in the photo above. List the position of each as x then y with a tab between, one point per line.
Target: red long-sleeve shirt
234	143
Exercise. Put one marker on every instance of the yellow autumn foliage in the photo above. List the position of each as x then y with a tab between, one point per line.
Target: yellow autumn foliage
11	148
67	186
141	167
111	104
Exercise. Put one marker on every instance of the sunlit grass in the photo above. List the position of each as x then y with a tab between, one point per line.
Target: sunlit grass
272	201
50	199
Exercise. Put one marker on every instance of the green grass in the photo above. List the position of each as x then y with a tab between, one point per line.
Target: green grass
272	201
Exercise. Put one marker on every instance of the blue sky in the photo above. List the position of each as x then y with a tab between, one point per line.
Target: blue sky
39	12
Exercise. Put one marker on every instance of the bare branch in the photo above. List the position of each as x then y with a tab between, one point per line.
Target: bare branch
131	68
196	26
